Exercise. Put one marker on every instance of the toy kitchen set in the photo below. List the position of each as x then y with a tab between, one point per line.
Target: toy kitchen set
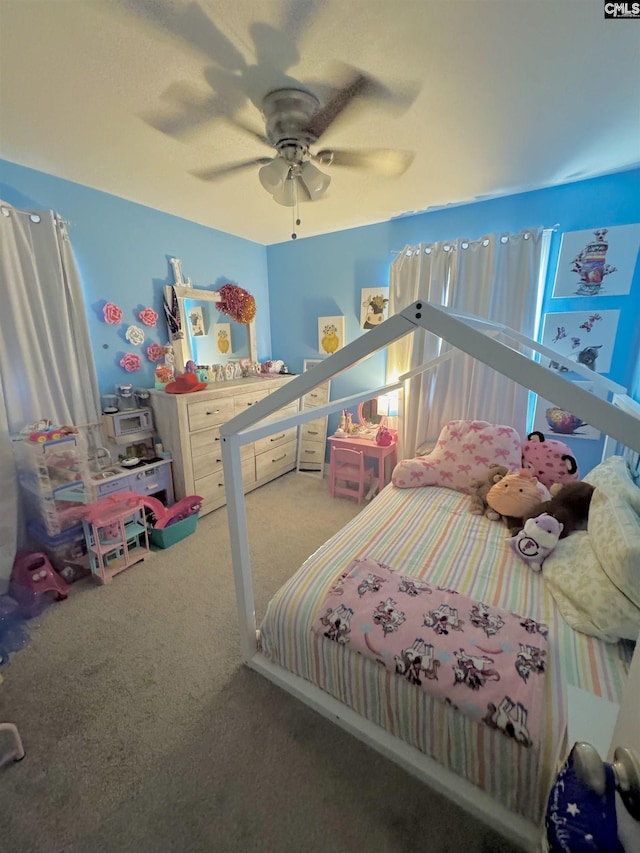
63	469
134	461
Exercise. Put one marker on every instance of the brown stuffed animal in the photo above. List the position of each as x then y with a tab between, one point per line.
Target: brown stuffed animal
480	488
569	504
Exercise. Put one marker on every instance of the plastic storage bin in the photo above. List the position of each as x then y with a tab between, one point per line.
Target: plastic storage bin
165	537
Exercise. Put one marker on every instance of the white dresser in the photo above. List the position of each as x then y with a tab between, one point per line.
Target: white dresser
189	427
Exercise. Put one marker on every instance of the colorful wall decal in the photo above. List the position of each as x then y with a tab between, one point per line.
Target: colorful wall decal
586	337
597	263
130	362
135	335
155	352
148	316
112	313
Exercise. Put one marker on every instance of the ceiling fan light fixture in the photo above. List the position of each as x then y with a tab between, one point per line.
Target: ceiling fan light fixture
273	175
288	195
315	182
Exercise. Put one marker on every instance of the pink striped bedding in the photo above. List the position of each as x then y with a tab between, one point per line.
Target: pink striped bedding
428	534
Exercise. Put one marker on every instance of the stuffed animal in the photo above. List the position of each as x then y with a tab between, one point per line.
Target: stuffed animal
515	495
536	540
549	459
479	489
569	504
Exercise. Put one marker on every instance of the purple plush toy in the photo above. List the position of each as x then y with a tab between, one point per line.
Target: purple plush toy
536	540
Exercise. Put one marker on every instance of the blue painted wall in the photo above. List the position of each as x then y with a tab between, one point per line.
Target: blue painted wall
123	252
123	249
324	275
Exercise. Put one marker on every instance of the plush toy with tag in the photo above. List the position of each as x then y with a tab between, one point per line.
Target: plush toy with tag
536	540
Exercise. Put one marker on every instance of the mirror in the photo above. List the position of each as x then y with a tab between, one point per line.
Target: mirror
368	414
209	337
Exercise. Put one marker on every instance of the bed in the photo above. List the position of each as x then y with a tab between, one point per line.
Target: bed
428	534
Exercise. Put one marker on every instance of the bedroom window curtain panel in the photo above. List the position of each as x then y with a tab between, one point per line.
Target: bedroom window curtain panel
500	278
46	362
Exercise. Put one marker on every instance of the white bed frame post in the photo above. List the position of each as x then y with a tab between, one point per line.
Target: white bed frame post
480	339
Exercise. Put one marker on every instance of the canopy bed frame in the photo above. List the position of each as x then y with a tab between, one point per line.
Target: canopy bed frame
512	355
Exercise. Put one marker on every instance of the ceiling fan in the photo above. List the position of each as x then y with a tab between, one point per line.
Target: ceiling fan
294	122
294	117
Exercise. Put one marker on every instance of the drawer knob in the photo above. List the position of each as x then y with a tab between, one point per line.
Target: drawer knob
313	432
215	412
278	437
284	456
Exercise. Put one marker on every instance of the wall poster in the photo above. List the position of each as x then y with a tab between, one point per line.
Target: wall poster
552	419
600	262
330	334
586	337
373	306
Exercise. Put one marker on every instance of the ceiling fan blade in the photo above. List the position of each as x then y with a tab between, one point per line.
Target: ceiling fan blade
246	128
193	26
221	171
321	120
387	162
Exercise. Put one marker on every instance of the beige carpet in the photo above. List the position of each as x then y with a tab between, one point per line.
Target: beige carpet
144	733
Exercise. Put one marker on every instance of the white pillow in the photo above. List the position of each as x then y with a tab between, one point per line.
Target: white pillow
585	596
614	524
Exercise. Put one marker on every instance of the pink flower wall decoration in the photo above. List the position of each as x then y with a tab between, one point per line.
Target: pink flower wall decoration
112	314
148	316
131	362
155	352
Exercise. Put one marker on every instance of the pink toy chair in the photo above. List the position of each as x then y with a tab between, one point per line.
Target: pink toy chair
348	466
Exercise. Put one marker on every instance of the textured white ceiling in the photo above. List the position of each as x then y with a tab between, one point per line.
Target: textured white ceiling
511	95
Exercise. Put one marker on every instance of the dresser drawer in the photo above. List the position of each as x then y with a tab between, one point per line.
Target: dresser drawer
242	402
207	413
314	430
266	444
206	447
211	486
276	459
318	397
311	451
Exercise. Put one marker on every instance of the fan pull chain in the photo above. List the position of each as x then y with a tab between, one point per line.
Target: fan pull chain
295	212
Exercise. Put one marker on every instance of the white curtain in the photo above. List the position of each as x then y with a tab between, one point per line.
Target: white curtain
500	278
46	363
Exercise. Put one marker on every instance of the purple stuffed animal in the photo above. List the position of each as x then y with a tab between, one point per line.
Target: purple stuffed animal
536	540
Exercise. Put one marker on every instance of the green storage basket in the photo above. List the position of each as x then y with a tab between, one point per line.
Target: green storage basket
165	537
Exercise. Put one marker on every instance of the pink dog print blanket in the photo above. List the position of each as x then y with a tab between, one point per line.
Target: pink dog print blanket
487	662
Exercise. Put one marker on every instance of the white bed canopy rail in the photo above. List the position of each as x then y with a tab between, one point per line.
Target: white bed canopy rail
480	339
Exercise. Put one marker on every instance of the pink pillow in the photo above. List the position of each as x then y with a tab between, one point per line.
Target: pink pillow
464	451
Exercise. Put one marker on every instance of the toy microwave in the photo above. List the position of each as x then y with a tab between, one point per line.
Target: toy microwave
128	427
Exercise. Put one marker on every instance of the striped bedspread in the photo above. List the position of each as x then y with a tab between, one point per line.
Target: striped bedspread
429	534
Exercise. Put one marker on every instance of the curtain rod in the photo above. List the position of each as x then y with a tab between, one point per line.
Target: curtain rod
467	243
7	210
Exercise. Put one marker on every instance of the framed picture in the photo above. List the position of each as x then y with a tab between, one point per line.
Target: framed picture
586	337
330	334
222	338
597	263
196	322
553	420
373	307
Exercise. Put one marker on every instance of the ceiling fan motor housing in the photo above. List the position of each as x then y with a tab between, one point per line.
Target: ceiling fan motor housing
287	113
